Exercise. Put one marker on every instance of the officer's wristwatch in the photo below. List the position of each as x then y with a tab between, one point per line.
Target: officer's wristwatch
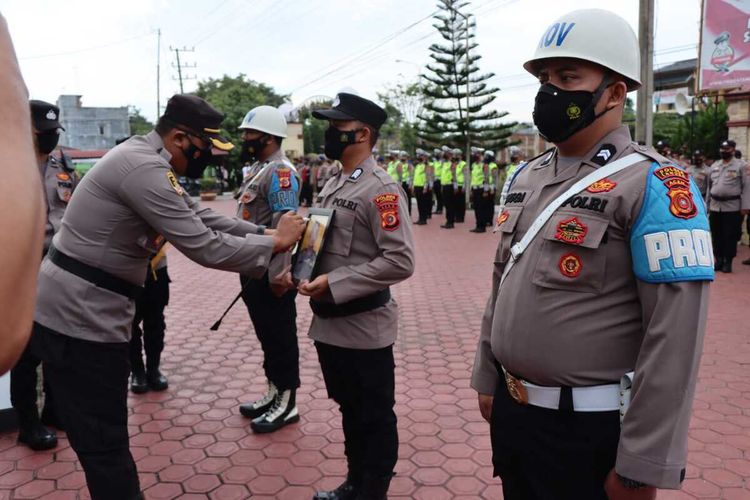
630	484
261	229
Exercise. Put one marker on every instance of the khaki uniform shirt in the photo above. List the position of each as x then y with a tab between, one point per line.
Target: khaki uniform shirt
369	248
59	184
270	189
727	180
599	293
123	211
700	176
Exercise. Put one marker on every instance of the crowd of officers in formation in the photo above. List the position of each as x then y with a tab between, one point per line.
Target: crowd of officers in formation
724	184
436	182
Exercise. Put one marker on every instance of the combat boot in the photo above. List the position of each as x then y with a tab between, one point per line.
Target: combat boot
33	434
260	406
374	488
726	266
155	379
718	263
282	412
345	491
50	418
138	382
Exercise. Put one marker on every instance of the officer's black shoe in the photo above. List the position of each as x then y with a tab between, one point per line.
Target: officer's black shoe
262	405
459	221
282	412
156	380
718	263
447	226
437	212
36	436
726	266
345	491
374	488
478	230
49	418
746	262
138	382
420	223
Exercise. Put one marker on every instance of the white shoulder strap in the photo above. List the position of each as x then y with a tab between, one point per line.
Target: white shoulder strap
600	173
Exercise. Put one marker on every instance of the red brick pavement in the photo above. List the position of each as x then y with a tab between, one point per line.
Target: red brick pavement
189	442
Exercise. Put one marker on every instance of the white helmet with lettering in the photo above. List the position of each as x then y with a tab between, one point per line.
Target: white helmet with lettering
594	35
265	119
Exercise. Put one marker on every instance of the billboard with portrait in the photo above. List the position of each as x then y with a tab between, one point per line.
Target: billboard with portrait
725	45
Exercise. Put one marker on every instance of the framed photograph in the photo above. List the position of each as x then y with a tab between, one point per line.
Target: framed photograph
305	260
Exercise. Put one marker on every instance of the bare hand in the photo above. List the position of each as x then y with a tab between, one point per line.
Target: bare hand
316	288
282	283
269	232
485	406
288	231
616	491
745	212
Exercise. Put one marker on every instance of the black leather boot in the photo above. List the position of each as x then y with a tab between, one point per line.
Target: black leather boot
718	263
374	488
726	266
138	382
50	418
345	491
156	380
33	434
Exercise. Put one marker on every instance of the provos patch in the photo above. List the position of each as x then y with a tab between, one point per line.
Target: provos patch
677	182
387	204
175	184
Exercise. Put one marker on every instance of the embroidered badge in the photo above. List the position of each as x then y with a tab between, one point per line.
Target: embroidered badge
571	231
175	185
285	178
246	197
602	186
602	156
63	176
570	265
355	175
502	217
245	214
387	205
66	196
677	182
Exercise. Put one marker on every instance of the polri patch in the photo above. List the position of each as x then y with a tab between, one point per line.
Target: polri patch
677	182
602	186
570	265
387	205
175	184
285	177
63	176
571	231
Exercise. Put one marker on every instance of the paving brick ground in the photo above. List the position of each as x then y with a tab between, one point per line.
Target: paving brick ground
189	442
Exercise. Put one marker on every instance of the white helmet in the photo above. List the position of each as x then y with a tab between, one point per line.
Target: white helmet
265	119
594	35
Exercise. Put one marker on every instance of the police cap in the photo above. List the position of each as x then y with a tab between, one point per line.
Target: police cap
353	107
196	114
730	144
45	116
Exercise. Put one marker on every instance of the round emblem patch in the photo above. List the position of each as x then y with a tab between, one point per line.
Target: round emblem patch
245	214
570	265
571	231
573	111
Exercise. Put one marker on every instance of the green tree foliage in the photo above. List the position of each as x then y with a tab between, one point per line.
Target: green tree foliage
403	103
235	96
709	130
313	129
445	118
139	124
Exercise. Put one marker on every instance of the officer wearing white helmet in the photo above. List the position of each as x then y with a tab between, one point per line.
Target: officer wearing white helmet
270	189
591	340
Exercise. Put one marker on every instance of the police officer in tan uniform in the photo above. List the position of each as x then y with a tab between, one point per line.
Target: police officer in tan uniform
728	200
591	340
355	318
699	171
59	181
271	189
124	210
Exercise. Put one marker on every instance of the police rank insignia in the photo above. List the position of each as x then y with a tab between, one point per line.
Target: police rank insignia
285	178
570	265
571	231
176	185
602	186
677	182
387	204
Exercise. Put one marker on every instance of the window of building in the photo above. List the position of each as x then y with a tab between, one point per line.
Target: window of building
101	129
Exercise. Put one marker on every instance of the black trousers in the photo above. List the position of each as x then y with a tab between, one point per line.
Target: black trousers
726	230
459	204
23	383
362	382
489	208
149	309
424	202
449	204
543	454
478	200
438	189
275	323
408	191
306	194
90	382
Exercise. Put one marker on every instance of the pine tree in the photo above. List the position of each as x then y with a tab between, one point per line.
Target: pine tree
445	118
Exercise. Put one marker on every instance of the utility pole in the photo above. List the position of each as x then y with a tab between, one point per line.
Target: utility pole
644	116
158	68
180	66
467	174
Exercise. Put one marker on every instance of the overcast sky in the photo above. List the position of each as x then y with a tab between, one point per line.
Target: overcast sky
106	50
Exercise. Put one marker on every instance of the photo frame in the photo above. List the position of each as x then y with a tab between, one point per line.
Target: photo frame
307	254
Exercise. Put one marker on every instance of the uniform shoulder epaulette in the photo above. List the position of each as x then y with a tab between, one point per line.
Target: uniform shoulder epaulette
545	156
383	176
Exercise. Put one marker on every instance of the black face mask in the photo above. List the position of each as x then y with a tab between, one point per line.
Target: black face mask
337	140
727	155
47	141
196	166
251	149
558	113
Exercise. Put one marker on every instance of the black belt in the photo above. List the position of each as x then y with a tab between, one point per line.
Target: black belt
356	306
726	198
100	278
